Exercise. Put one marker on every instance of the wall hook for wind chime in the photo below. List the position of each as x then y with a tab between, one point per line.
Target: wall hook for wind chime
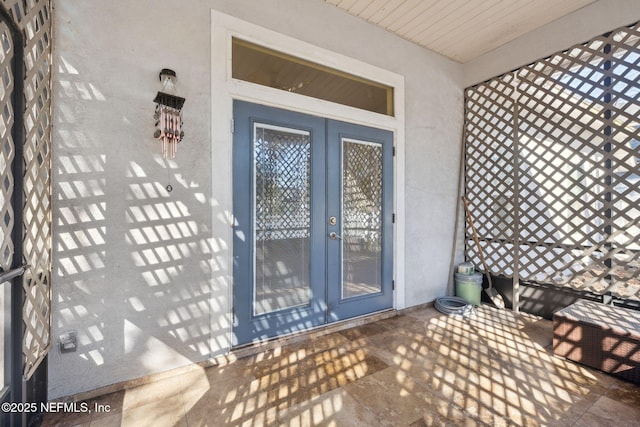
168	114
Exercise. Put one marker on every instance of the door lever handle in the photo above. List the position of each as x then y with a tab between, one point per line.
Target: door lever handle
5	276
335	236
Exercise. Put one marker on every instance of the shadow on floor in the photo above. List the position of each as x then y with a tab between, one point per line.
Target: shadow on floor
420	368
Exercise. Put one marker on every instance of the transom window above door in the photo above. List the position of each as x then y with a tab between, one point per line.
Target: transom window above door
258	64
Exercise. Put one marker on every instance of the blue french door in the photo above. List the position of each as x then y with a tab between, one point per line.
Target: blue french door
312	202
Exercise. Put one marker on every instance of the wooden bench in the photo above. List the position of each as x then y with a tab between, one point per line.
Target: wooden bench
601	336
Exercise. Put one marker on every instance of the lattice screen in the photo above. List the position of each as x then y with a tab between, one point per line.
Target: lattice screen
7	151
283	190
33	18
362	193
553	167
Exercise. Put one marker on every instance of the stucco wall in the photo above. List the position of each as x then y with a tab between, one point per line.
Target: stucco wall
143	275
133	265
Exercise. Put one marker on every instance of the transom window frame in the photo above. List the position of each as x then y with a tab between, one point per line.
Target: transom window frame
287	72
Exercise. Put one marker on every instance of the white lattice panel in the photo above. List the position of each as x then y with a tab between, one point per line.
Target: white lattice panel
489	169
33	18
7	149
553	167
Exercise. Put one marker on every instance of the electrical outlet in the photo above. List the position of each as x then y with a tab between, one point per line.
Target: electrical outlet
68	342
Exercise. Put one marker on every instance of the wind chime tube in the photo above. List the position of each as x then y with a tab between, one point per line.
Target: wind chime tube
171	136
164	133
178	131
168	129
170	133
164	129
176	119
172	142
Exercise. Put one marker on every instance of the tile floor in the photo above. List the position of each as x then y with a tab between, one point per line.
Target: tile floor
420	368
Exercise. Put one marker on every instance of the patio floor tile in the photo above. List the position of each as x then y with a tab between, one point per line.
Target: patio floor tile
420	368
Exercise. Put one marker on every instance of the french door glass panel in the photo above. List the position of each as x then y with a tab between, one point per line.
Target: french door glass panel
361	218
282	180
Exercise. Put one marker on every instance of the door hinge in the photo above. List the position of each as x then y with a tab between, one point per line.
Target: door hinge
233	126
393	151
393	218
393	285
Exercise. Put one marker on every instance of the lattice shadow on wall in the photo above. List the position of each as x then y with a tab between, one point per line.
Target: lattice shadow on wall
553	168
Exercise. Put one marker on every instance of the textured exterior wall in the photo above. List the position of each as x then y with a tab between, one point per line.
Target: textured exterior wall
142	274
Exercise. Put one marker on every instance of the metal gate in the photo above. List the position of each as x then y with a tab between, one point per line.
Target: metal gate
25	201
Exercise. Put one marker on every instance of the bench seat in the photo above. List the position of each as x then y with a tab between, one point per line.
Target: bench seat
601	336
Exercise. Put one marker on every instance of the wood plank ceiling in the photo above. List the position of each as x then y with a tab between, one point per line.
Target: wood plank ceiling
460	29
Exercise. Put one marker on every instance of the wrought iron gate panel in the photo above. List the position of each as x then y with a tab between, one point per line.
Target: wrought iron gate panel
575	144
33	18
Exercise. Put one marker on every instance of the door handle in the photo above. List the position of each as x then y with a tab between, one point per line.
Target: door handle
5	276
335	236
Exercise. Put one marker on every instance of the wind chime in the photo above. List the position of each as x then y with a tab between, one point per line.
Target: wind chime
168	115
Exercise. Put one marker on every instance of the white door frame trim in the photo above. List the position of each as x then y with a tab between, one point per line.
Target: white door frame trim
224	89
